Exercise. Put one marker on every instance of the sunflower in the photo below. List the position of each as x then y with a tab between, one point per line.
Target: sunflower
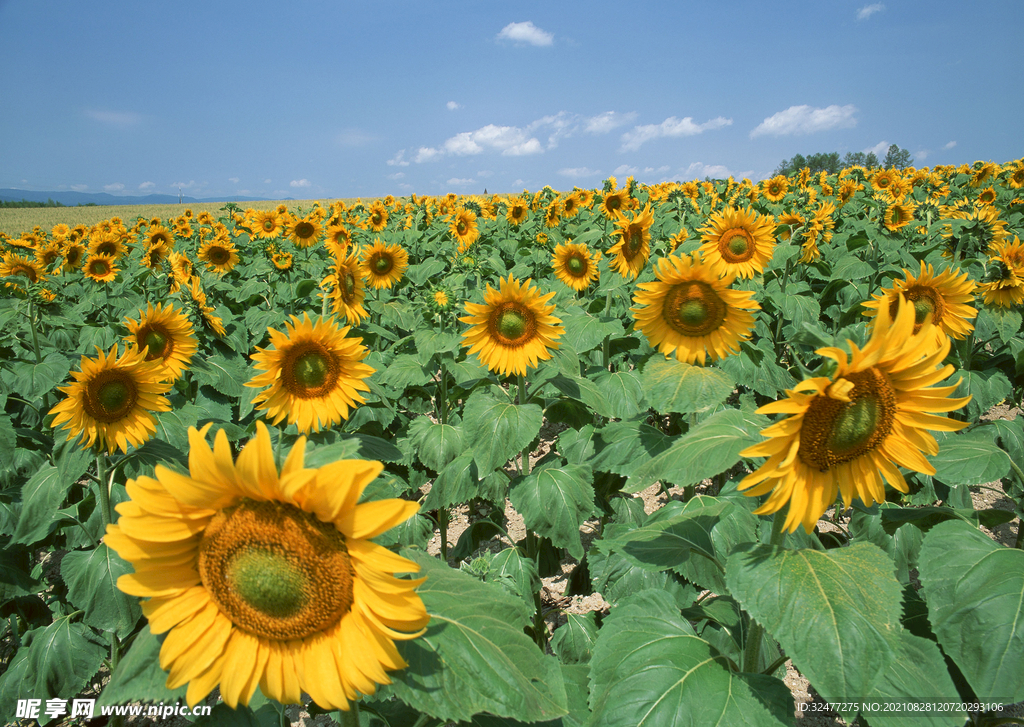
266	578
101	268
943	300
282	260
1016	175
987	196
347	289
266	224
464	229
571	205
339	238
377	216
689	309
553	213
574	265
315	373
738	241
212	320
167	335
106	243
48	252
1004	285
898	216
22	265
678	238
384	265
881	179
634	245
848	433
303	232
848	188
614	203
792	221
181	268
74	254
219	254
110	402
159	235
513	329
775	189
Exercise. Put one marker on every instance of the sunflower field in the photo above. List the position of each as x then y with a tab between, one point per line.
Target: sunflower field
759	423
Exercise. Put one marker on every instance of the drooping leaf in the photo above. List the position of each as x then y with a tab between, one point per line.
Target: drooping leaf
573	642
91	577
974	589
555	502
673	386
457	483
496	430
41	497
62	657
972	458
436	444
622	391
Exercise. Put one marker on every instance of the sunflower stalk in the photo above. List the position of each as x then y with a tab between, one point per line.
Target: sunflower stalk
752	649
104	478
32	309
350	718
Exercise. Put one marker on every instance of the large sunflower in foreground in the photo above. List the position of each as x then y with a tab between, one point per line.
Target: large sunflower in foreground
690	310
111	400
101	268
513	329
384	265
574	265
167	335
944	300
738	241
314	374
268	579
634	246
851	432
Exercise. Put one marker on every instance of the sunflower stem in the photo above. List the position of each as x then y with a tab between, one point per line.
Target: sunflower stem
102	468
524	466
442	528
752	649
32	325
350	718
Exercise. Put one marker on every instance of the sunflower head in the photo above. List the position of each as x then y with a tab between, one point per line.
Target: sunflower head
384	265
166	336
634	246
738	241
574	265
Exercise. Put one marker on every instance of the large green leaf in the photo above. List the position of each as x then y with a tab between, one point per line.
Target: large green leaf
91	577
584	332
650	669
62	657
622	391
623	447
574	640
836	613
474	656
555	502
32	380
674	386
496	430
457	483
405	370
436	444
584	390
227	374
138	676
41	497
974	589
712	447
970	459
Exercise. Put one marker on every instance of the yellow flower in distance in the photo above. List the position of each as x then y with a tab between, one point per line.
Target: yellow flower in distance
691	311
347	289
314	374
111	400
219	254
513	329
266	578
304	232
384	265
634	245
574	265
167	335
738	241
464	228
851	432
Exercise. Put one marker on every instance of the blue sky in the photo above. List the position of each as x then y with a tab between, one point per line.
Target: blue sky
339	99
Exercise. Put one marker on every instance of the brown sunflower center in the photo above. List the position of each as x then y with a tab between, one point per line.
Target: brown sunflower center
99	267
219	255
310	370
927	305
110	396
107	247
461	227
512	325
634	240
268	225
304	230
276	571
576	266
382	264
736	245
693	308
159	342
835	432
25	271
349	286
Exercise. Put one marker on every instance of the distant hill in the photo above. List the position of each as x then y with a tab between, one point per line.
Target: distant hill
73	199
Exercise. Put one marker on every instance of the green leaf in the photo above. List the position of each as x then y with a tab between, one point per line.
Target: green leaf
584	332
518	573
1011	437
354	446
91	577
436	444
712	447
927	517
404	371
138	676
429	342
616	578
799	309
41	497
625	446
555	502
986	389
474	656
226	374
757	369
622	391
62	657
32	380
974	589
673	386
850	267
573	642
584	390
836	613
969	459
1004	321
651	670
918	663
457	483
496	430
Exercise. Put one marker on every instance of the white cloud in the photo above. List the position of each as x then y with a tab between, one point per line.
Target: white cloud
485	174
233	180
624	169
660	170
147	185
526	33
456	182
699	170
949	145
397	175
266	181
868	10
121	119
299	183
354	138
878	149
578	172
633	140
79	187
603	123
509	140
115	187
922	155
452	106
806	120
427	154
397	160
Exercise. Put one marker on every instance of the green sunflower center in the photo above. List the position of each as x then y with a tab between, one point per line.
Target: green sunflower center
276	571
511	323
736	245
349	284
268	225
219	255
576	266
382	265
854	425
634	239
110	396
693	309
304	230
157	342
113	395
693	313
309	370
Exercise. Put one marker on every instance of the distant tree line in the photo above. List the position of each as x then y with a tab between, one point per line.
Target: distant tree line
831	162
10	203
